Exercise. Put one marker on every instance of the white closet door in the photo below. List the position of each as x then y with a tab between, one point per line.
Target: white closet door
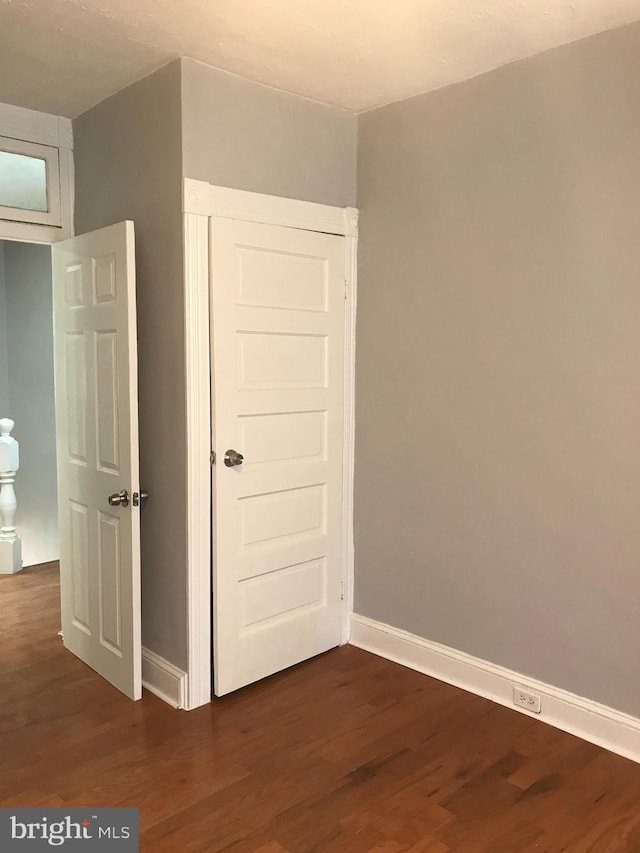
278	405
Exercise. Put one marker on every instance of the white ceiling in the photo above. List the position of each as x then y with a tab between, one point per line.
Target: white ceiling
63	56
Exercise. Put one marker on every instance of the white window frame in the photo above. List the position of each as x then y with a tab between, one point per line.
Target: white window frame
53	214
31	131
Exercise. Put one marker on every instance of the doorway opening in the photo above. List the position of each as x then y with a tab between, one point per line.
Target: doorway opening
94	433
29	542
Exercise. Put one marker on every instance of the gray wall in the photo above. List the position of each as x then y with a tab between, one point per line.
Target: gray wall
128	165
4	363
241	134
131	152
498	382
29	349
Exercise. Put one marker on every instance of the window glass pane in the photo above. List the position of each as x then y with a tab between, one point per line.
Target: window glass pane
23	182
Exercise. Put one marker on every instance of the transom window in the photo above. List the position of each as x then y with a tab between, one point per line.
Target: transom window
29	182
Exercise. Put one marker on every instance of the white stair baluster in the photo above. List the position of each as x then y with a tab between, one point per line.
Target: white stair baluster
10	545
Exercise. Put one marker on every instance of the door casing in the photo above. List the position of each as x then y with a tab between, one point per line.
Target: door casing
200	202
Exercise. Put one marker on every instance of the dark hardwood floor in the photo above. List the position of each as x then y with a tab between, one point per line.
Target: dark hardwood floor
346	753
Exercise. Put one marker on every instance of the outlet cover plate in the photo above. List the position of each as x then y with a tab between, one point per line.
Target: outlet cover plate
526	699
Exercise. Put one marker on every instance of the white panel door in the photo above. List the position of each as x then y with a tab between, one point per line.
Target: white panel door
278	310
97	440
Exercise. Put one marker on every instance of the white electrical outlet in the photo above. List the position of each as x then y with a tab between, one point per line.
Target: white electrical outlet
527	700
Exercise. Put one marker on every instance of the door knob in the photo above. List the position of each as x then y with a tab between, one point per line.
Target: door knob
232	457
140	498
119	498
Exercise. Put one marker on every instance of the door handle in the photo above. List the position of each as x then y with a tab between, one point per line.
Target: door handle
232	457
140	498
119	498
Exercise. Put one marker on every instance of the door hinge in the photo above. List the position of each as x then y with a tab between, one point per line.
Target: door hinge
341	590
212	457
346	289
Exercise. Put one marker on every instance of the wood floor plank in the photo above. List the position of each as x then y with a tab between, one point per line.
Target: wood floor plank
346	753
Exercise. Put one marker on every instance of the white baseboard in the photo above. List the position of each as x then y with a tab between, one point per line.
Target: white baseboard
163	679
591	721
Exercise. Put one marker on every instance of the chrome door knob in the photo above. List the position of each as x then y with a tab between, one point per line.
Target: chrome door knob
140	498
232	457
119	498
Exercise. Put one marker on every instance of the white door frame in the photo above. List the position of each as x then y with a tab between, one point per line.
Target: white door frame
201	201
42	129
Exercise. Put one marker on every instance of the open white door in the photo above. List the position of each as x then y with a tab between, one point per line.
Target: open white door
278	407
97	439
